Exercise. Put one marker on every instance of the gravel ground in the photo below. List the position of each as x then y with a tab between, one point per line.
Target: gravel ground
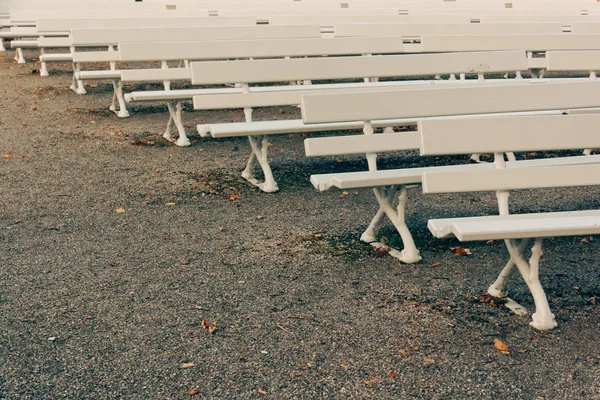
97	303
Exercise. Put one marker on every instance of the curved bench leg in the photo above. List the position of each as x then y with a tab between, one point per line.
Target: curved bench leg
542	319
118	93
175	114
260	147
385	196
19	56
499	287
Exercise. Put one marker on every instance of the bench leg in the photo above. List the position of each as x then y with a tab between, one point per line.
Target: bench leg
259	152
118	94
43	67
542	319
2	45
385	196
175	119
19	56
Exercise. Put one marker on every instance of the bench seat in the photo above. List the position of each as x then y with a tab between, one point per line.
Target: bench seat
411	176
519	226
56	57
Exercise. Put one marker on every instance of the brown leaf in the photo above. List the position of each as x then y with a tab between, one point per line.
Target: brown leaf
370	382
318	236
193	392
188	365
7	156
403	352
212	328
120	211
434	265
587	239
392	375
429	361
204	324
501	346
170	204
460	251
260	391
381	251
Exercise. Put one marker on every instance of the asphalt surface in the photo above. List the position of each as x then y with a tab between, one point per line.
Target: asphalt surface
115	247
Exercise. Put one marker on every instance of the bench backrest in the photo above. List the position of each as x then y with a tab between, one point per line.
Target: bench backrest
68	24
415	29
34	15
94	37
437	43
267	48
447	101
280	70
331	20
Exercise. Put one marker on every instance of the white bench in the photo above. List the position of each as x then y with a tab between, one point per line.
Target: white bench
141	36
109	32
397	67
417	104
214	50
497	134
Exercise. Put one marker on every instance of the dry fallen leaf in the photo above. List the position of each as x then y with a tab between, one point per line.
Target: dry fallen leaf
188	365
170	204
120	211
403	352
437	264
193	392
262	392
429	361
6	156
587	239
460	251
392	375
318	236
204	324
370	382
501	346
212	328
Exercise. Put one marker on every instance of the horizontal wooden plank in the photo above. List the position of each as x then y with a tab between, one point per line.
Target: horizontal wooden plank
95	56
113	22
505	134
94	37
442	227
156	75
440	43
582	60
331	20
516	228
263	48
445	101
251	71
357	144
512	179
415	29
366	179
54	42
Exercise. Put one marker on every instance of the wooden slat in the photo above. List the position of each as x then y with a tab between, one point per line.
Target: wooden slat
408	29
250	71
95	56
98	22
156	75
366	18
442	227
573	60
91	37
429	102
504	134
441	43
257	48
54	42
512	179
361	144
25	16
503	228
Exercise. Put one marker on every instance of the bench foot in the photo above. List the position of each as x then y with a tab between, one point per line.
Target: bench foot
19	56
385	197
203	130
175	120
259	154
43	69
